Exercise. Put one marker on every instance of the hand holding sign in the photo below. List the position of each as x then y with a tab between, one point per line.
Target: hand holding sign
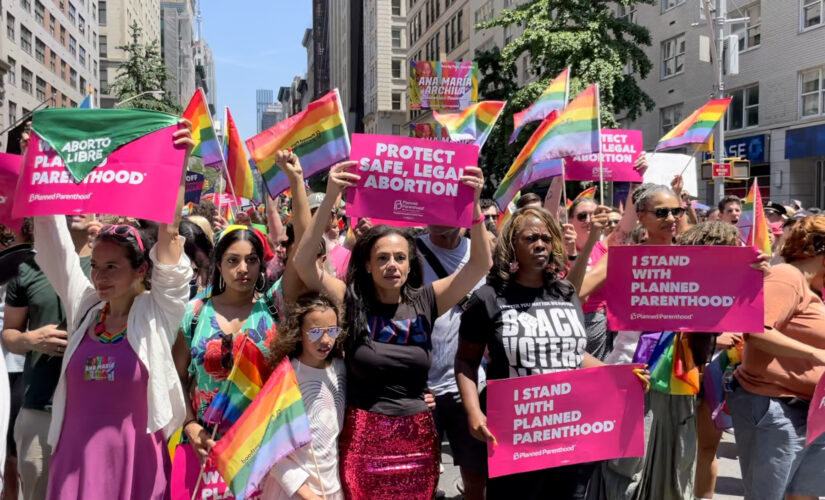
183	137
339	178
474	178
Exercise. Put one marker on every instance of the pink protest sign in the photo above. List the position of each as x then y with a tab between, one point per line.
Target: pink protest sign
684	288
620	148
411	180
9	173
816	413
140	179
550	420
185	470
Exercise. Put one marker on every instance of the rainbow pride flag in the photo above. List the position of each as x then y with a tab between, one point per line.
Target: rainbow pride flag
673	370
207	145
752	224
238	172
554	98
249	371
696	128
474	124
318	135
587	193
273	426
574	131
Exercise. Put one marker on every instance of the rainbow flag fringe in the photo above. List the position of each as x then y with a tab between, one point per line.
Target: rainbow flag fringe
473	124
207	146
696	128
554	98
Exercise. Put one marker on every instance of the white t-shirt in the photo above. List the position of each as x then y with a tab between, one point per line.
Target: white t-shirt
324	395
441	378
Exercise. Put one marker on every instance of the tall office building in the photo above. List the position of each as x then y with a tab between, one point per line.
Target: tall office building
51	52
273	115
319	70
177	48
346	66
115	18
205	73
385	60
263	98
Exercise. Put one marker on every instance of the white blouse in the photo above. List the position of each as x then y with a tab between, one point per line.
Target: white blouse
153	322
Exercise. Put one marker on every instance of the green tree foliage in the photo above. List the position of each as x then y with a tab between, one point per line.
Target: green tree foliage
582	34
143	71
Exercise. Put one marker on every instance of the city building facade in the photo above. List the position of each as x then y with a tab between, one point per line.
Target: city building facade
273	114
385	63
205	74
177	48
263	98
482	40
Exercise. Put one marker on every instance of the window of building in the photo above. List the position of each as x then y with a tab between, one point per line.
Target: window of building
94	70
396	7
40	51
53	62
25	39
12	112
11	76
40	89
673	56
669	4
460	25
72	45
744	108
39	11
396	38
10	26
25	79
104	46
104	80
670	116
628	13
811	92
83	88
72	13
101	13
396	68
448	44
81	56
749	32
26	5
62	35
396	100
484	13
812	13
508	35
51	24
63	71
81	24
73	78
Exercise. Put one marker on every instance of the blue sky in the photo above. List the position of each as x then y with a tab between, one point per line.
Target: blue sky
256	45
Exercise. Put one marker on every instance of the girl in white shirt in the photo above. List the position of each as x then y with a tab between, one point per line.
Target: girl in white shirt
313	340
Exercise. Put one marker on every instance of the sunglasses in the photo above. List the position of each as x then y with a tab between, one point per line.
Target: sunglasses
583	216
123	231
663	212
227	359
315	334
490	216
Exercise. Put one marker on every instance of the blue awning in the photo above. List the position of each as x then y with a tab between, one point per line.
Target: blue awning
805	142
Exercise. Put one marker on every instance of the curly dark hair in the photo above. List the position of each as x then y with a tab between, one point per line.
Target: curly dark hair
500	276
715	233
288	342
806	239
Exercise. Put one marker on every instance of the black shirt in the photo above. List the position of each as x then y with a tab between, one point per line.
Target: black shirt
388	373
528	331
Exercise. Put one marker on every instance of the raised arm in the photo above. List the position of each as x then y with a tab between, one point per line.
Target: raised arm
288	162
273	219
579	268
552	201
170	244
621	236
305	262
450	290
594	279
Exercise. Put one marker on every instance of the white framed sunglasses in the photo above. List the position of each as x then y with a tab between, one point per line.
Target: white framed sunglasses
315	334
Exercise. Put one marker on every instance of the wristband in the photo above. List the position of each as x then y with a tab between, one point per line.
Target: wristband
185	424
480	219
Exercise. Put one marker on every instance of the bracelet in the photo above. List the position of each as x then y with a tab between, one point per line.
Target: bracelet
185	424
480	219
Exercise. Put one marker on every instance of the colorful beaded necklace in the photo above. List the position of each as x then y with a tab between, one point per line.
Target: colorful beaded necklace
100	329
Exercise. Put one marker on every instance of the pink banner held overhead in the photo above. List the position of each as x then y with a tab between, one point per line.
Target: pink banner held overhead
9	173
620	149
550	420
140	179
411	180
816	413
684	288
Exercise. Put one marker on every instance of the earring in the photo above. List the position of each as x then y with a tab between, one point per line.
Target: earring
514	267
221	284
260	284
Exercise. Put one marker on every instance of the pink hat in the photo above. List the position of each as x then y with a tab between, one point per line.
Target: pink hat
776	228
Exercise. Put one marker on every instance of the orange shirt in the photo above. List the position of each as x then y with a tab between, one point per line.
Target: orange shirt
792	309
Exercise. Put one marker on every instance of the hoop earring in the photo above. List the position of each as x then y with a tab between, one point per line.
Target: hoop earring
221	284
260	284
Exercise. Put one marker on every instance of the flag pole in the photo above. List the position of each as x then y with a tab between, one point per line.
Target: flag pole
692	156
564	189
318	470
225	166
601	162
203	466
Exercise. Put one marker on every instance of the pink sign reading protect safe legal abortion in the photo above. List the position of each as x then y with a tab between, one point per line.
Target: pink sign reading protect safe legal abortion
140	179
411	180
620	149
9	173
816	413
564	418
684	288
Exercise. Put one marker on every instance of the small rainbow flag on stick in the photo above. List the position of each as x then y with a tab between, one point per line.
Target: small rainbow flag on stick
273	426
474	124
238	171
207	146
752	224
554	98
318	135
696	128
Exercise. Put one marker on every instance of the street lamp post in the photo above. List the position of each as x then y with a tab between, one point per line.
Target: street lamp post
155	93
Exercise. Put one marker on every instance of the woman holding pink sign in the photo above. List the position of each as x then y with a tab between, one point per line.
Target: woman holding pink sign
388	446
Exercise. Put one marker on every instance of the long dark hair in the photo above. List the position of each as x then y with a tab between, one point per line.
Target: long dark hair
288	342
224	242
361	296
196	239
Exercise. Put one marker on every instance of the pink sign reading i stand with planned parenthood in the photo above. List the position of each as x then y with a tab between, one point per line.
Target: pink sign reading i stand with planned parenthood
620	149
684	288
411	180
140	179
816	413
564	418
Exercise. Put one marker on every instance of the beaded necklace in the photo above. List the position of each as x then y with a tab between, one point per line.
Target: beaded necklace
100	329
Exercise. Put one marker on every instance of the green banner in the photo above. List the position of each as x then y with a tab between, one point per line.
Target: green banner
84	138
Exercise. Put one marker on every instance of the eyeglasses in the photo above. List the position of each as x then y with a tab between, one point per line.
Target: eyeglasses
663	212
315	334
583	216
123	231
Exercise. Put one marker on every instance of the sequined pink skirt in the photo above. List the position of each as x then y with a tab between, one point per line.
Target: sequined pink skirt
391	458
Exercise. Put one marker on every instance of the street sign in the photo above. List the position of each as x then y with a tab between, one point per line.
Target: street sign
722	170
